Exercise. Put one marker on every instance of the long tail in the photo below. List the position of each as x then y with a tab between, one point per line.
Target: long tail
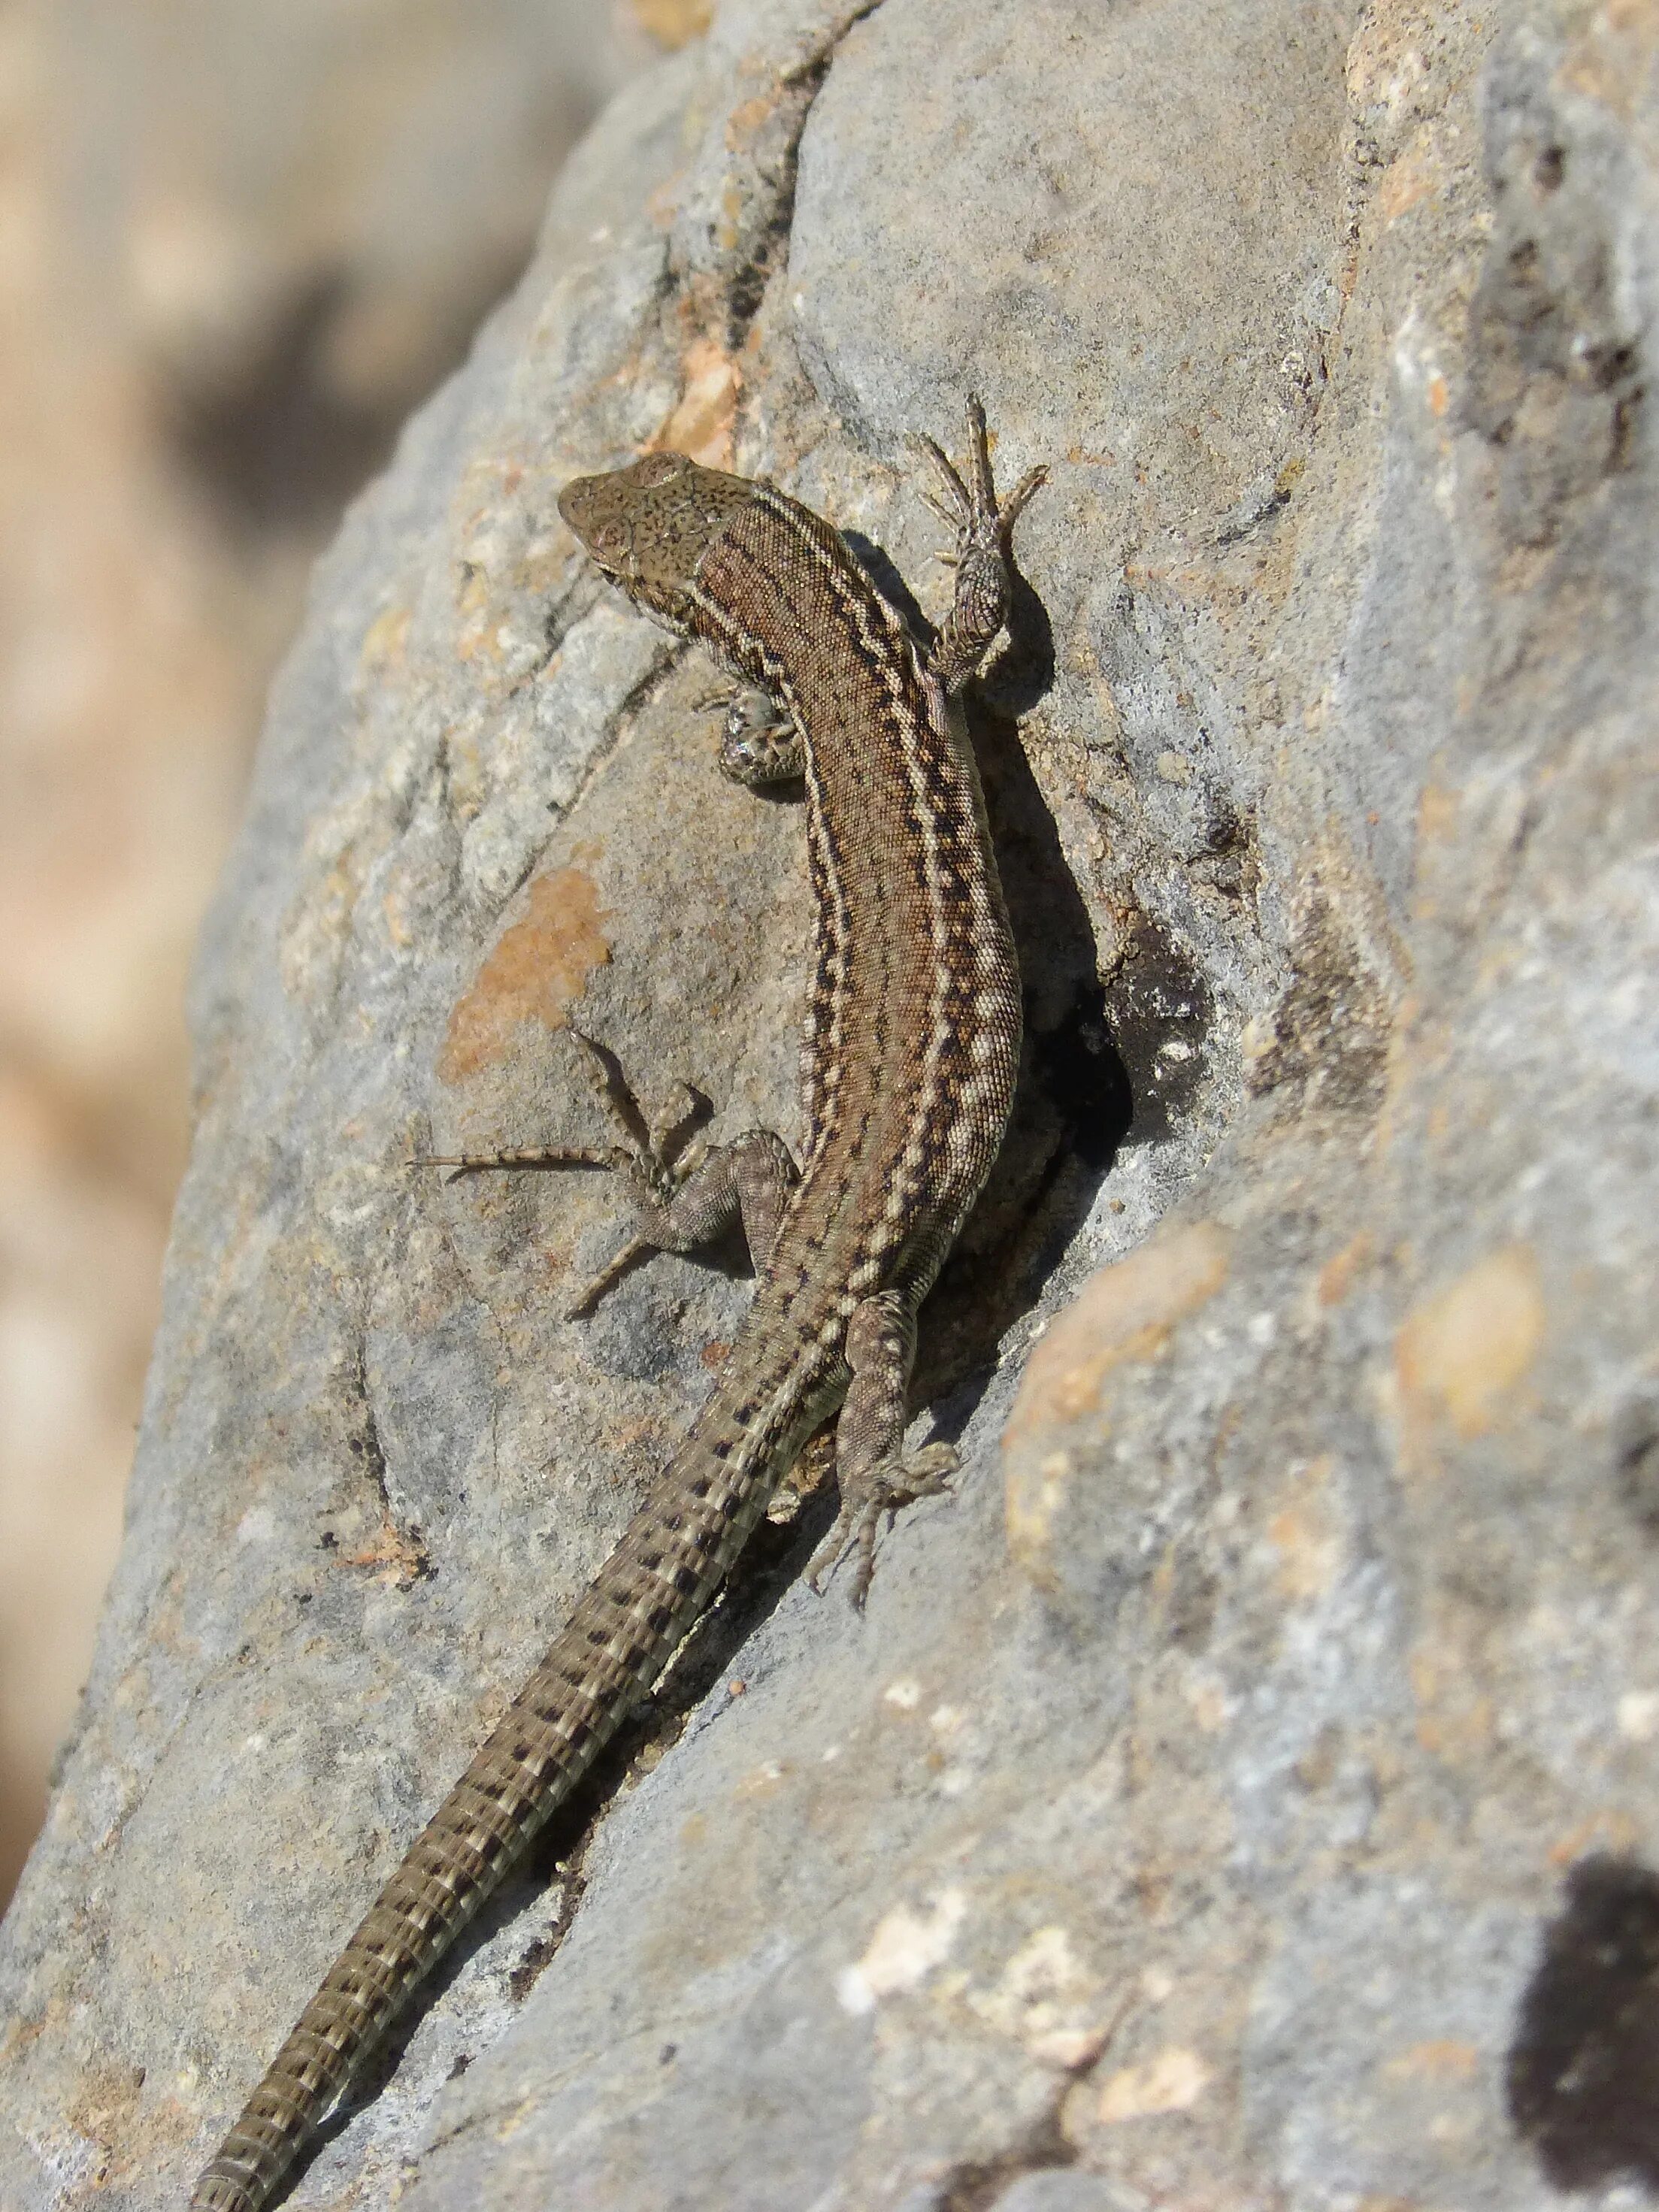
644	1599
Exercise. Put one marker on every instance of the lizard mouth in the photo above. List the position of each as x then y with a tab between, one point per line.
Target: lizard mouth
606	537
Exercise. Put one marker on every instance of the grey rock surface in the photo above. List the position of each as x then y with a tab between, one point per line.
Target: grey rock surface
1241	1794
240	242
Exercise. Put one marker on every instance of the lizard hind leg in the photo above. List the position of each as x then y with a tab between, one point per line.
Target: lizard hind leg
876	1476
748	1180
683	1195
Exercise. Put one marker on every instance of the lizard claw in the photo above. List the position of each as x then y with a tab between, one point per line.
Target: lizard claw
883	1489
983	524
653	1157
971	506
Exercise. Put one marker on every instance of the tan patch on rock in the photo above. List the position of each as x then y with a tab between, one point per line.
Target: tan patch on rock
1607	1829
1125	1315
1439	813
905	1948
397	1555
1611	57
1434	2062
108	2097
1336	1277
108	2112
700	424
674	23
762	1781
1460	1355
395	913
1303	1533
540	968
386	642
1408	179
748	119
1046	1999
478	633
1451	1669
1032	1498
1170	2082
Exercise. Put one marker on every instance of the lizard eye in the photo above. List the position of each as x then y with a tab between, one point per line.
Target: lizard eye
657	469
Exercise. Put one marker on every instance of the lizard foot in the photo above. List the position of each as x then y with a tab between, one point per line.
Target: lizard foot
982	525
883	1489
654	1157
815	1467
760	744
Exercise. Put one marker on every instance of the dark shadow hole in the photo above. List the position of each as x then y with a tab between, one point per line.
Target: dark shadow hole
1583	2075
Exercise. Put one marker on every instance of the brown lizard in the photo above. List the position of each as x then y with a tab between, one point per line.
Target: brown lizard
911	1050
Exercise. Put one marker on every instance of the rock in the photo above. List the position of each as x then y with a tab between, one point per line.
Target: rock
240	241
1241	1792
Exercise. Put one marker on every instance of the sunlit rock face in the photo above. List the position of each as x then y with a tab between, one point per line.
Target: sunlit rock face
1240	1792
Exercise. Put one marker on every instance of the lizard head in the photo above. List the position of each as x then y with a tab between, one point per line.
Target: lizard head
649	525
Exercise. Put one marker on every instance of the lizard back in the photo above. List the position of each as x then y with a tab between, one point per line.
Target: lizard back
913	1018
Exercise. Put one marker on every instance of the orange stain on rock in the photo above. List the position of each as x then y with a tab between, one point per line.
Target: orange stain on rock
1606	1829
1404	183
674	23
386	641
1437	813
1303	1533
1460	1356
700	424
1336	1277
540	968
747	121
1442	2060
1611	57
1125	1314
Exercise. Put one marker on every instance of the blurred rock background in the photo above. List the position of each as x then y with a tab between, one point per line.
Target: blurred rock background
237	245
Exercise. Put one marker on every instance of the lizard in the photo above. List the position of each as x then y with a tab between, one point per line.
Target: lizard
909	1058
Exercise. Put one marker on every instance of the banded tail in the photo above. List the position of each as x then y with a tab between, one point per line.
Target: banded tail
623	1631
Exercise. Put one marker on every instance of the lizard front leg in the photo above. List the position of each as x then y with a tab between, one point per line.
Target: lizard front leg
761	744
982	525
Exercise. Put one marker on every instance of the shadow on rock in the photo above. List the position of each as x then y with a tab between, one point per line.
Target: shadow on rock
1583	2068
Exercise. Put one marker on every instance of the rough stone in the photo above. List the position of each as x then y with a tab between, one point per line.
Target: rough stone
1241	1793
237	243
